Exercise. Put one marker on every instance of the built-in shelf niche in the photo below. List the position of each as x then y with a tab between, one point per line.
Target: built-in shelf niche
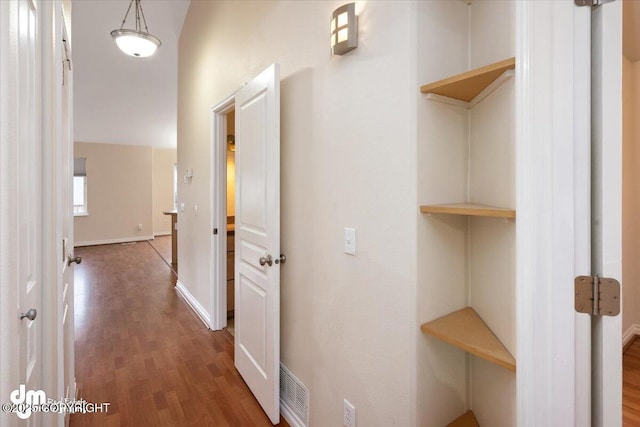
464	328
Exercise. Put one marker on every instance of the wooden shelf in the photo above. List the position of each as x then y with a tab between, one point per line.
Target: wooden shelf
466	330
466	86
465	420
470	209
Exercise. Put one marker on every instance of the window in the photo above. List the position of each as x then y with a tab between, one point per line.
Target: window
80	187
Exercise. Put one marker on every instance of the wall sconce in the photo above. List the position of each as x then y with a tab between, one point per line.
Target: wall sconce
344	29
231	143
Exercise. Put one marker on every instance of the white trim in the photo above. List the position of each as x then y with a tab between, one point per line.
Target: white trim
289	416
606	148
631	332
193	303
112	241
218	191
162	233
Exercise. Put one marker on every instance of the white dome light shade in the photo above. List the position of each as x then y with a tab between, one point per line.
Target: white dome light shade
136	43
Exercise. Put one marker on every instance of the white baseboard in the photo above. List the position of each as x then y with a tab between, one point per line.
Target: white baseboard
162	233
631	332
112	241
194	304
289	416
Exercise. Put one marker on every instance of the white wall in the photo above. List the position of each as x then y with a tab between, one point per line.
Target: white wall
630	194
162	183
348	159
119	193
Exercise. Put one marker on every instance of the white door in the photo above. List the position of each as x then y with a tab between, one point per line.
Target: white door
29	192
607	206
21	198
257	237
65	213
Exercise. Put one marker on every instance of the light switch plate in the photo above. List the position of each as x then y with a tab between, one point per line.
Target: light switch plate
350	241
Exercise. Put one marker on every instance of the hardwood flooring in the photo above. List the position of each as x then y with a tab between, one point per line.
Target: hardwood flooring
143	350
162	244
631	385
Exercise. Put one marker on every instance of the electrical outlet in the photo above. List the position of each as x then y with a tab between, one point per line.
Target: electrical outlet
349	414
139	227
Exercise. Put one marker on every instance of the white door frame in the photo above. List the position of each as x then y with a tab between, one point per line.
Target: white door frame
553	204
218	293
607	207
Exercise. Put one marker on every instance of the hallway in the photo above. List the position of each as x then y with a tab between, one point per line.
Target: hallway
140	347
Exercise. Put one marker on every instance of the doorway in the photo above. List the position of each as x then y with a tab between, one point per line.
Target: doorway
223	160
231	208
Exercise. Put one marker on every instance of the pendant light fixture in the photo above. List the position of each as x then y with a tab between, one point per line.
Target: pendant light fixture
136	42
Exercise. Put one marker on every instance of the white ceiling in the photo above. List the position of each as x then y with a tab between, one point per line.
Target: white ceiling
120	99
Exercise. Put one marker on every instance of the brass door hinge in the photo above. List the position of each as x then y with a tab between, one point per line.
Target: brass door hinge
607	291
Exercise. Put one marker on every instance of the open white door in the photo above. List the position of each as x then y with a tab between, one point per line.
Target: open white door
57	293
607	206
257	238
65	213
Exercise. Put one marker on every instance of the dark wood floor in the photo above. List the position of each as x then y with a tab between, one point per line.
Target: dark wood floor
162	244
141	348
631	385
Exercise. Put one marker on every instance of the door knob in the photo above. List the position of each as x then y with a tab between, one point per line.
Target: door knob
71	260
281	260
31	314
268	260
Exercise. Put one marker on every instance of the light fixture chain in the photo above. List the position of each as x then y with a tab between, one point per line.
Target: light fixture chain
126	14
146	29
138	7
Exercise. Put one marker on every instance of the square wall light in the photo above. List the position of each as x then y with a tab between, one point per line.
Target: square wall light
344	29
